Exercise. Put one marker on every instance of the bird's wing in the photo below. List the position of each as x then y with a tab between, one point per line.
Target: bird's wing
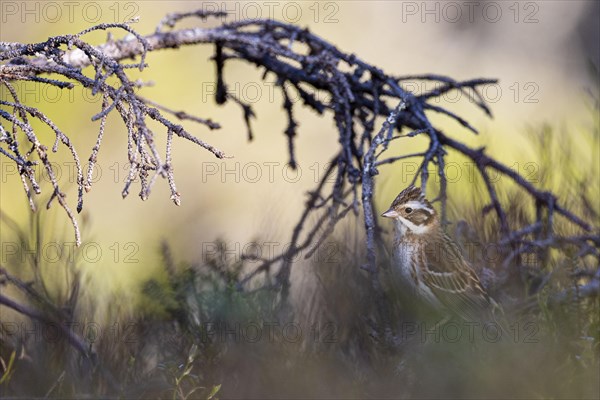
454	283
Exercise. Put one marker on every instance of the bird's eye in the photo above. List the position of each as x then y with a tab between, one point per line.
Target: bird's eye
408	210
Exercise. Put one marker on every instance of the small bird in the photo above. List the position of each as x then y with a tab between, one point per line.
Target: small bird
431	264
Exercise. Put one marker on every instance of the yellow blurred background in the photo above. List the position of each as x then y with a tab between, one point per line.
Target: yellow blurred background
539	51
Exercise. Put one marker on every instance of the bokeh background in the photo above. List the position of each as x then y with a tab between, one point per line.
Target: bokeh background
545	55
541	53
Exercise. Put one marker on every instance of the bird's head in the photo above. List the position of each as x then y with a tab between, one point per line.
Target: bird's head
413	211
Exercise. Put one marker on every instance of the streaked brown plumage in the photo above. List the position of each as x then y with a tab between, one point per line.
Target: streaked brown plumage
431	263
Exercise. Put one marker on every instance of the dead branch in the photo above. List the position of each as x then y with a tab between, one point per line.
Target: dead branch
360	95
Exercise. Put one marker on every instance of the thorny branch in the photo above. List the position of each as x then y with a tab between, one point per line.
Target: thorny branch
360	94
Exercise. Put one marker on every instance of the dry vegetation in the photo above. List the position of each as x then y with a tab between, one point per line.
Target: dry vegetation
346	332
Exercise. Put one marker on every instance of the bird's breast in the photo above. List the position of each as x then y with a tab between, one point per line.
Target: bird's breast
406	255
409	261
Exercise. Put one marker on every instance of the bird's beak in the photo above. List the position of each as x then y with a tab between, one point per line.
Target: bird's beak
391	213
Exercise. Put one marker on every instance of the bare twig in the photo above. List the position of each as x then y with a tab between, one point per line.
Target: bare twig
358	96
